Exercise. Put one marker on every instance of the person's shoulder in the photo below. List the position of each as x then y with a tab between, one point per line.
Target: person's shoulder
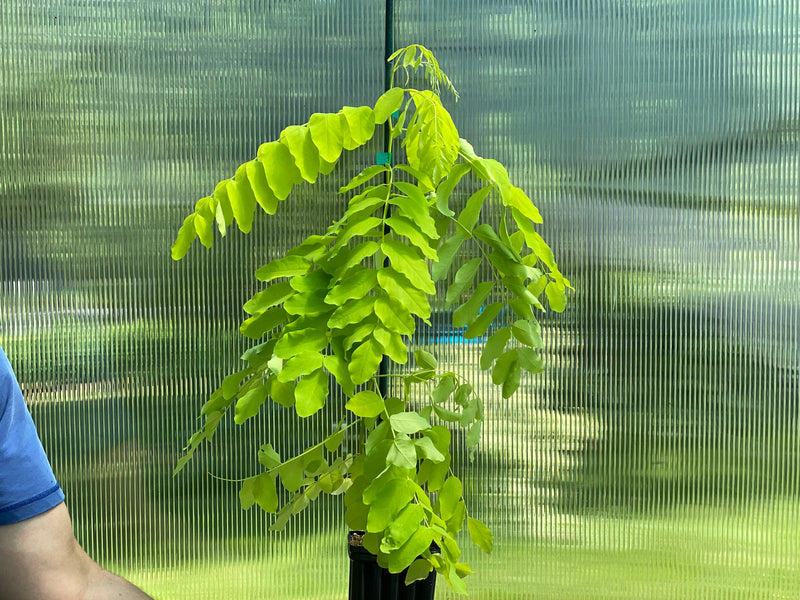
8	381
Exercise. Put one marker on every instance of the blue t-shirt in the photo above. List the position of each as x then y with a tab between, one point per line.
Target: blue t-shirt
27	485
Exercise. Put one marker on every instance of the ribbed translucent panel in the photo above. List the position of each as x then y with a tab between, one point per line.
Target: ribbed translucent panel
658	456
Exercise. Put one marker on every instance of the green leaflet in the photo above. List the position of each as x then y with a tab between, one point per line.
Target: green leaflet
223	213
376	448
405	260
242	199
403	226
333	441
537	287
301	364
539	246
512	381
446	414
312	248
337	366
326	167
426	449
431	138
311	392
408	423
491	170
447	252
393	317
434	474
256	326
449	497
292	343
249	404
365	404
330	481
463	393
230	387
371	197
471	412
356	333
356	284
393	345
402	453
261	191
326	133
186	235
352	311
503	367
463	280
494	347
556	296
518	243
447	186
424	182
365	360
474	434
346	259
360	123
414	205
519	200
425	360
363	177
419	542
356	516
307	304
272	296
362	227
288	266
282	393
480	535
522	308
267	457
529	360
455	522
291	473
388	103
204	222
515	286
443	391
469	311
259	490
298	139
388	501
487	235
311	283
279	167
402	527
401	291
472	211
528	333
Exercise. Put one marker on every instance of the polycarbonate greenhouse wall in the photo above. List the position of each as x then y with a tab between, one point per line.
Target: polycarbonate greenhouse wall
658	456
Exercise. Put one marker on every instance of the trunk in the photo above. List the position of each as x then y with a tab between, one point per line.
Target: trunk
368	581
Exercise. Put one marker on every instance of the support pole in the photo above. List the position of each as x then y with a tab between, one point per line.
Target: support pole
388	49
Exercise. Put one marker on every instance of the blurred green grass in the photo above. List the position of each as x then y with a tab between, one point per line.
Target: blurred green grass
726	553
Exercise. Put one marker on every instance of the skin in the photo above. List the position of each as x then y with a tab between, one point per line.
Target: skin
40	559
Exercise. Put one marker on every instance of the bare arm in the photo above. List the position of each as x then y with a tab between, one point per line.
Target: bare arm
40	559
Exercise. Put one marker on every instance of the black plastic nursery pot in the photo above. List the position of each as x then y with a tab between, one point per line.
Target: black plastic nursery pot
368	581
